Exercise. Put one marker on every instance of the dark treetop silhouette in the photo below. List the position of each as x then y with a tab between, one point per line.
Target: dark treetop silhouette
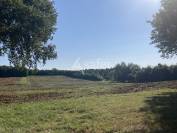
121	73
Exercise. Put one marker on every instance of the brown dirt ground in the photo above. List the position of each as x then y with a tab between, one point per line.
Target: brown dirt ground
12	98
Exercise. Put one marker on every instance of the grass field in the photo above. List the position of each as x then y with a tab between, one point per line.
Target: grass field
65	105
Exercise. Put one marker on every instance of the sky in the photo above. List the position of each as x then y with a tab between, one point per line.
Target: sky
102	33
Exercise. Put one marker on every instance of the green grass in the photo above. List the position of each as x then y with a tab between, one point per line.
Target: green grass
152	111
109	113
56	84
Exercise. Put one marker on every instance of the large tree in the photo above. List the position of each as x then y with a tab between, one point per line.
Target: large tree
25	28
164	33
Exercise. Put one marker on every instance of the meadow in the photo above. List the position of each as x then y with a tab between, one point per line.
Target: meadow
57	104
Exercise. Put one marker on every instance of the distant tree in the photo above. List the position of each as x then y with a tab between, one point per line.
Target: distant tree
134	70
164	33
122	72
25	28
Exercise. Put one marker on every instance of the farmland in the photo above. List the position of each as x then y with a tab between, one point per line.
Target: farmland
59	104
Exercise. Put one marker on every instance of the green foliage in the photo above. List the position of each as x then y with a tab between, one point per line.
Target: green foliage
164	33
25	28
6	71
120	73
125	72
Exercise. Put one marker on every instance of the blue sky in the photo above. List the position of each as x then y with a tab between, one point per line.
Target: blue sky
101	33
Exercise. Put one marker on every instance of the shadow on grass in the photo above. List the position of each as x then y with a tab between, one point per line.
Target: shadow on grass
161	113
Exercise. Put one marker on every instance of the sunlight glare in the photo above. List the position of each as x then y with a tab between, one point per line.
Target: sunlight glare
155	1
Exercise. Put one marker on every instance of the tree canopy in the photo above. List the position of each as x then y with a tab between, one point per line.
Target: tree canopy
25	28
120	73
164	33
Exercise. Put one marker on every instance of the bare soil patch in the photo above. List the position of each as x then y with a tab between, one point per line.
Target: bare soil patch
12	98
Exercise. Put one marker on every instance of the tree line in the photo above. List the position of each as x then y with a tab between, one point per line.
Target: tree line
134	73
120	73
8	71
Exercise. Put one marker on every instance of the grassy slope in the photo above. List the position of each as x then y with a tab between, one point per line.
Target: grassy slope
147	111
